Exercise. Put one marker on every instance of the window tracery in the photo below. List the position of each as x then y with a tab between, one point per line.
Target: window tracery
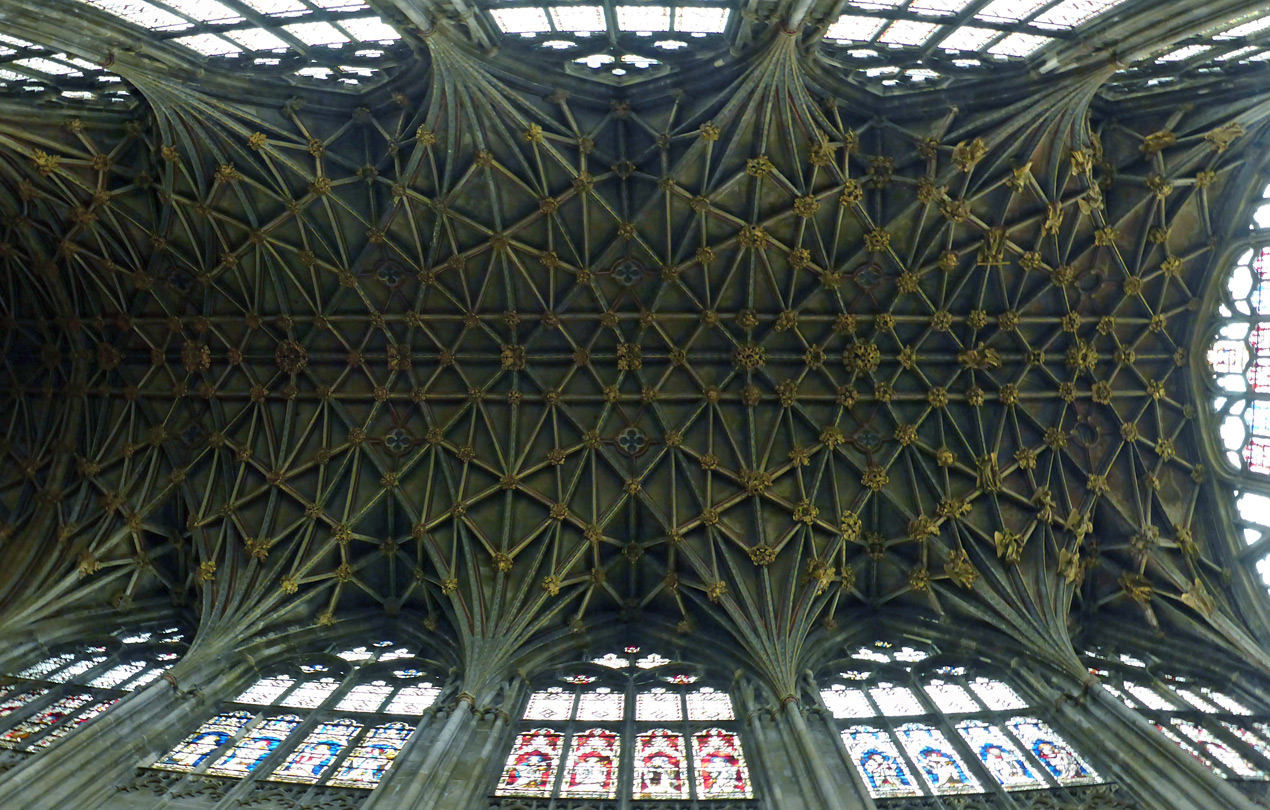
1220	730
629	718
336	720
915	726
1239	360
49	699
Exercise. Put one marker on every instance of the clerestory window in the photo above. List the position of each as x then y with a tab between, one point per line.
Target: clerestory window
336	720
49	699
631	725
913	725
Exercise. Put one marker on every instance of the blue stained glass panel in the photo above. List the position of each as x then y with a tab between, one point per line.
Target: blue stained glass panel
878	760
1000	756
1062	762
372	757
313	756
252	749
937	759
196	748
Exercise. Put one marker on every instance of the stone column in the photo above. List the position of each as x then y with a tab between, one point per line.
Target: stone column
82	769
1124	747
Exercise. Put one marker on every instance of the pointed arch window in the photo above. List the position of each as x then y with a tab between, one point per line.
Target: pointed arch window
336	720
916	725
44	702
632	727
1229	734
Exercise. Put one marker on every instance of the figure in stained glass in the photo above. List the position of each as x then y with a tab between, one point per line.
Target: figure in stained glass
259	743
659	766
531	767
200	745
592	769
885	773
721	770
940	767
370	760
1063	763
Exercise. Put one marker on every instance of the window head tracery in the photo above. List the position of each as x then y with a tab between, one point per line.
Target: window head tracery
337	719
1239	361
916	725
1228	734
47	700
630	717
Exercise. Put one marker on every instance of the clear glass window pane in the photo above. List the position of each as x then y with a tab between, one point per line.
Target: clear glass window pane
658	705
707	704
550	704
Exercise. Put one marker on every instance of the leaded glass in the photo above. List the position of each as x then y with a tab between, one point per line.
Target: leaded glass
257	744
196	748
999	755
591	772
413	699
720	767
66	674
1195	700
1226	702
319	749
51	715
1147	697
660	765
65	728
16	701
936	759
1190	749
612	661
532	764
951	697
1218	750
117	674
310	694
372	757
46	666
266	690
997	696
1063	763
601	704
550	704
651	661
365	697
845	703
658	705
1252	740
895	701
879	762
709	705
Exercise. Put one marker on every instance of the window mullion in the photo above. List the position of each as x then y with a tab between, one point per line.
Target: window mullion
309	720
690	764
215	755
944	722
626	754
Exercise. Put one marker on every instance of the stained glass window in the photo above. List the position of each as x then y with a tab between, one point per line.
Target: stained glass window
1059	758
632	715
941	729
318	751
879	762
243	757
999	755
372	757
55	696
332	739
591	772
1208	724
195	749
532	765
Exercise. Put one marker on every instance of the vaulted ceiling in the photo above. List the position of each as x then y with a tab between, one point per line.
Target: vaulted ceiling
754	342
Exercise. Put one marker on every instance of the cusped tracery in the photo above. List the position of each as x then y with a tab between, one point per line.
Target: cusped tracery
916	725
638	716
336	720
